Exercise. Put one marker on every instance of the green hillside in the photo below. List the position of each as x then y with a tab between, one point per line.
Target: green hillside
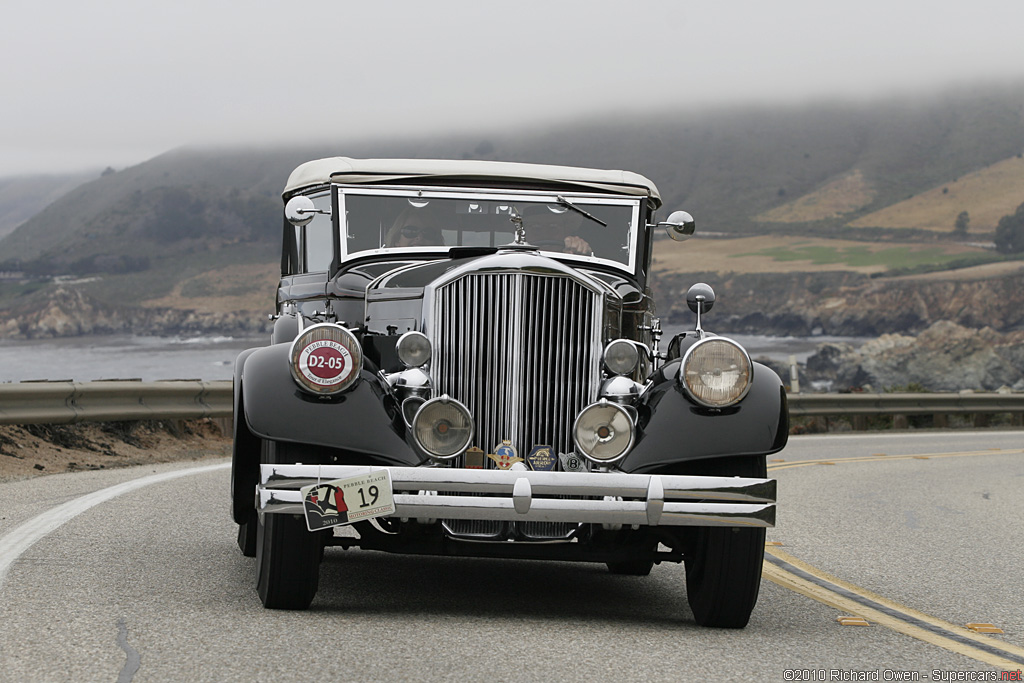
23	197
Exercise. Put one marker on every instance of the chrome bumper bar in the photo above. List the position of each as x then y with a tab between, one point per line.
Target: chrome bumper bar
430	493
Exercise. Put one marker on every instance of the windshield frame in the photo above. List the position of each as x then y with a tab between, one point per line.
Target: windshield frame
582	199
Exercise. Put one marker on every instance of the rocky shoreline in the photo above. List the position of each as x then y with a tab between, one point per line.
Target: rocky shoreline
947	354
945	357
68	313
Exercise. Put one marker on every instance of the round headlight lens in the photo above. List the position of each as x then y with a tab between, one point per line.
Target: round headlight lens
621	357
325	359
443	427
413	349
603	432
716	372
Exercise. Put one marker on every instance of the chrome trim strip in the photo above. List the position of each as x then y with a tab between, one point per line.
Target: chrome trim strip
607	498
551	510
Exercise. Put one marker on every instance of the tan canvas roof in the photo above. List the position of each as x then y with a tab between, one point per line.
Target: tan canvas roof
346	170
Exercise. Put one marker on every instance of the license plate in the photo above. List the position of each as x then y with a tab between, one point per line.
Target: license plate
344	501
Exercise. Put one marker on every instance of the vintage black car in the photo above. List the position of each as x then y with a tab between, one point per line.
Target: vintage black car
465	361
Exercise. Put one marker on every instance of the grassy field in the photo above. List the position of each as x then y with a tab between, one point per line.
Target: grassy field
768	254
230	279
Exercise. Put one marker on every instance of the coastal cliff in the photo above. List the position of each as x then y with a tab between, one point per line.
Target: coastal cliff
67	312
846	303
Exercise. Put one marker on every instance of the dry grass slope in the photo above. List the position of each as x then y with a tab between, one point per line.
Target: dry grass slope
986	195
840	196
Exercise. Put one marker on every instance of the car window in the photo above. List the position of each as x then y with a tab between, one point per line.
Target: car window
597	227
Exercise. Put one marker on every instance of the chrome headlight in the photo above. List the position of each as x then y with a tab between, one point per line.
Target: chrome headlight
443	427
325	359
716	372
603	432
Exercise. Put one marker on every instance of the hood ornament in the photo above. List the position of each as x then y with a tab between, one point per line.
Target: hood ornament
517	221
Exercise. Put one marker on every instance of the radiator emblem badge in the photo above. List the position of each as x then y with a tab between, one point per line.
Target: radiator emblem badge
505	455
541	460
474	459
572	462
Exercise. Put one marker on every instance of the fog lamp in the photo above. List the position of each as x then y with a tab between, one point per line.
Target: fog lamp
413	349
443	427
716	372
621	357
603	432
325	359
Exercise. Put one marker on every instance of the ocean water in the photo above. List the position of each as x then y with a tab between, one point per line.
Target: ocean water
85	359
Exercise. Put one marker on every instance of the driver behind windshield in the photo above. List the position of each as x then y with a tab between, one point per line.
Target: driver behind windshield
415	228
555	228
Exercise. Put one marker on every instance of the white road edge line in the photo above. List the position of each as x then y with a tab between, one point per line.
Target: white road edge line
16	542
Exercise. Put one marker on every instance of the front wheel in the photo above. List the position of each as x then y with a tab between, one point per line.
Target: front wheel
723	567
287	553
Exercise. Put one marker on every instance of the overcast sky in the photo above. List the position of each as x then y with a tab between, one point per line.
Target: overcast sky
87	84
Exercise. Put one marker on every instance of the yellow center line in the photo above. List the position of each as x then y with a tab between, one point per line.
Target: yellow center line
889	458
794	574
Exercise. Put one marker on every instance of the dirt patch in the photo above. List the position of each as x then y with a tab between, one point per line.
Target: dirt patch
32	450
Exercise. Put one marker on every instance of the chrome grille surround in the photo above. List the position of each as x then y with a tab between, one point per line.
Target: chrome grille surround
520	348
518	340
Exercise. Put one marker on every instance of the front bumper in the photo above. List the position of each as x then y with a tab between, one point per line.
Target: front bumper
431	493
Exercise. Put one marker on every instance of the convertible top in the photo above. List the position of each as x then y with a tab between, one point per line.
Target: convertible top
358	171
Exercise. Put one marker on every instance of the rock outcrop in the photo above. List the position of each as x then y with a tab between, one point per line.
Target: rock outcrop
945	357
67	312
848	304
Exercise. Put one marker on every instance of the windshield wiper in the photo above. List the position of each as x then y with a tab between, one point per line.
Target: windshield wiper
562	200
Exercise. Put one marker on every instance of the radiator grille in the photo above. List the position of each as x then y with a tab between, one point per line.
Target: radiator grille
521	351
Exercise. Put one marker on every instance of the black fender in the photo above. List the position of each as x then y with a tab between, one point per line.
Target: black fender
671	428
364	424
245	452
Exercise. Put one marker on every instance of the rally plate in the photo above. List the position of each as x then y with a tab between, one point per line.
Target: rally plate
344	501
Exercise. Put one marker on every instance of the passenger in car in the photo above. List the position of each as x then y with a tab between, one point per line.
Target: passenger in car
554	229
415	228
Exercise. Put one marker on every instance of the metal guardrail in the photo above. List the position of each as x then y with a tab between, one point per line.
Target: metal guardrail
904	404
109	401
69	402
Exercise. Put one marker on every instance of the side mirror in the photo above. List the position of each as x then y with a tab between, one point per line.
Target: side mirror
300	210
680	226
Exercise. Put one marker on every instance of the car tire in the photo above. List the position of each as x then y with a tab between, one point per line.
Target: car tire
723	567
287	553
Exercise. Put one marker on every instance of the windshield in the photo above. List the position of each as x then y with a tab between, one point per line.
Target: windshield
564	224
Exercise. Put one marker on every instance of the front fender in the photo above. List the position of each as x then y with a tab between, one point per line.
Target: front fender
364	420
673	429
245	452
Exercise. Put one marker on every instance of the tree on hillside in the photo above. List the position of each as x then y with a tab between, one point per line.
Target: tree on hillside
1010	232
963	222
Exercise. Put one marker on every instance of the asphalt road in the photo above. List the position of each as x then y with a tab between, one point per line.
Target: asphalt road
148	585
